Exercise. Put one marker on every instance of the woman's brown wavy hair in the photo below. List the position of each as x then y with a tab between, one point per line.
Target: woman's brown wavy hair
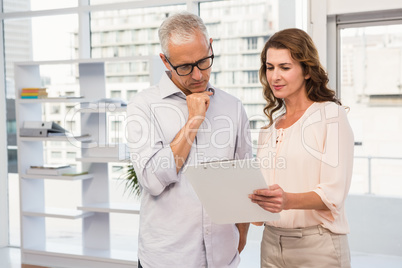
302	50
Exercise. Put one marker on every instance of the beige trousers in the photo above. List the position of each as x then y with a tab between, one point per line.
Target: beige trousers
311	247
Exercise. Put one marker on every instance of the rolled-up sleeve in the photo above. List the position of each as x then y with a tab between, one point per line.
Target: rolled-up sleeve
151	156
336	162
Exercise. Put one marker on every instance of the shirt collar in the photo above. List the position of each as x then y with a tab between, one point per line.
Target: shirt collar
168	88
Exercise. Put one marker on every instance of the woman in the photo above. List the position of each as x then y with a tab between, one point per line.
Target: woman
309	145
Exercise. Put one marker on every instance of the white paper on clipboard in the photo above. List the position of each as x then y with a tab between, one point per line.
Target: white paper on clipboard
223	188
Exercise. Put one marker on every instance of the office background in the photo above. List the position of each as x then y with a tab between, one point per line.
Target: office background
360	43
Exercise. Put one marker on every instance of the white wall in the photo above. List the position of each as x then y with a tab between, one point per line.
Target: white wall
317	27
375	224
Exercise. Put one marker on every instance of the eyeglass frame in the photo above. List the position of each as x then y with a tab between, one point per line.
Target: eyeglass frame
195	64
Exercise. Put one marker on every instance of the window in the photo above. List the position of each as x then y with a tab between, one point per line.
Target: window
124	31
56	155
13	5
252	43
249	60
115	94
133	34
253	124
116	125
70	125
55	109
71	155
252	94
370	78
130	94
238	41
252	77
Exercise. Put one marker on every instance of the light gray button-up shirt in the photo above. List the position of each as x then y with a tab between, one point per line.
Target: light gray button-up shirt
175	231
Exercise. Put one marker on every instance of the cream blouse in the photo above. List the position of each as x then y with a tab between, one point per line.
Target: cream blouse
314	154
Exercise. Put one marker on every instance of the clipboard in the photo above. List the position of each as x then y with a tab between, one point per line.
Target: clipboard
223	188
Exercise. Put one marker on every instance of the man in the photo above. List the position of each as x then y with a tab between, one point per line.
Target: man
183	121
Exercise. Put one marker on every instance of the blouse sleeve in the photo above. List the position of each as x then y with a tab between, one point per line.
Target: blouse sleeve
336	161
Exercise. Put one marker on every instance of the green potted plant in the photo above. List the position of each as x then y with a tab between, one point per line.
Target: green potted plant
131	180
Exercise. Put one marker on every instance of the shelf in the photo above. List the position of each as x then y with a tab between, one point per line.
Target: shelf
112	207
102	110
92	247
58	213
58	138
91	60
101	160
81	254
52	100
65	178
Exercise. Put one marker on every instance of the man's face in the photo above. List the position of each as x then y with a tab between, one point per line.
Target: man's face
190	52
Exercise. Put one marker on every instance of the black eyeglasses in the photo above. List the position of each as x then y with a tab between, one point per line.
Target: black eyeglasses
202	64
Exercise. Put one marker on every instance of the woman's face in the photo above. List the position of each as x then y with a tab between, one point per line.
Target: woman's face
285	75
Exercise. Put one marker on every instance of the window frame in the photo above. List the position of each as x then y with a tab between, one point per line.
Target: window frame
4	214
83	10
335	23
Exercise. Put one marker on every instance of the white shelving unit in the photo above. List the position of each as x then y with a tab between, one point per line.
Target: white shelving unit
57	138
58	213
112	207
95	249
61	178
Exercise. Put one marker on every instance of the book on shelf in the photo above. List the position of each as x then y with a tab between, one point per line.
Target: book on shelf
29	94
33	89
41	129
33	93
50	166
72	174
29	97
69	135
57	134
48	169
44	125
36	133
34	97
33	132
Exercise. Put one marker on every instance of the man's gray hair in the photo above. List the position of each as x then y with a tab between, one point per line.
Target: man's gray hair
179	29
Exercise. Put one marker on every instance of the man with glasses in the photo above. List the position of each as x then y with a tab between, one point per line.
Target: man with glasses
183	121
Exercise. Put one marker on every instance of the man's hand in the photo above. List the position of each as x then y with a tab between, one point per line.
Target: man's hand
243	230
197	104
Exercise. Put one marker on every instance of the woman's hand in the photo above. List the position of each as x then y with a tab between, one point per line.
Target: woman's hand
272	199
